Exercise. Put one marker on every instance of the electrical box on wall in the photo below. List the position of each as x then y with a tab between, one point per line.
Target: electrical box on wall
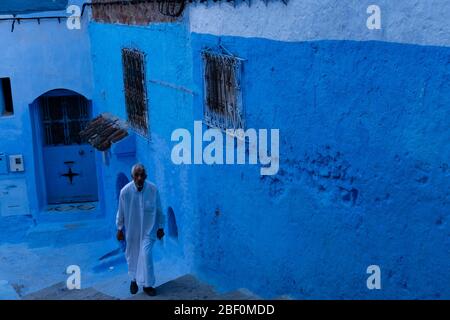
16	163
13	198
3	164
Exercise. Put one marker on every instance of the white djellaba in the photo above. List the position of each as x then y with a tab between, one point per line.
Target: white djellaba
141	215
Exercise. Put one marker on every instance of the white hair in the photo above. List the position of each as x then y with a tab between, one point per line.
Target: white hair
136	167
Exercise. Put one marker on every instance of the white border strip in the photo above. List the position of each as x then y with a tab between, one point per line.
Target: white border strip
424	22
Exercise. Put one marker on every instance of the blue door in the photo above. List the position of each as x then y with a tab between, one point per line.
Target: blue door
69	162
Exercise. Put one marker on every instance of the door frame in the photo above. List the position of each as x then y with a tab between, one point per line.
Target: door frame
38	145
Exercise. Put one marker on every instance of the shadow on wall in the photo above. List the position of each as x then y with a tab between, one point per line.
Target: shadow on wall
172	223
121	182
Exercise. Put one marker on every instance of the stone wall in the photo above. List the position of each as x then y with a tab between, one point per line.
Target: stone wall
139	13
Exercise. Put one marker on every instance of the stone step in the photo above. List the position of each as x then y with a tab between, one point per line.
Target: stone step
284	297
59	291
7	291
186	287
240	294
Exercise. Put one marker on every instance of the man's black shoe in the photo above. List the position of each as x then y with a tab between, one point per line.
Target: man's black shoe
134	287
150	291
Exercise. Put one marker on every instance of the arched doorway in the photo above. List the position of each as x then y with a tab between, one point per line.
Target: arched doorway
68	161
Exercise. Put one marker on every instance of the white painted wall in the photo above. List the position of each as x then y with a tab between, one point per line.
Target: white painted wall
425	22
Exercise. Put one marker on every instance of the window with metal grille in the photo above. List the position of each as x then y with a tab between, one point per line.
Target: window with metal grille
63	117
223	97
133	62
6	103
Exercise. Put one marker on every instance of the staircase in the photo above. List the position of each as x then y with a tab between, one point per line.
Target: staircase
187	287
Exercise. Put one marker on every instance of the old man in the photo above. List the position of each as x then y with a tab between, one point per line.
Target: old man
140	222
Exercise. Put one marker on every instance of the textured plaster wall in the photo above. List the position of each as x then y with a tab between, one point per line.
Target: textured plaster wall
39	58
364	172
168	80
363	179
413	21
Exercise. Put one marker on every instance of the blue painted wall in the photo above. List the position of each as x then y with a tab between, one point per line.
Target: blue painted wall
364	175
168	68
39	58
364	162
364	172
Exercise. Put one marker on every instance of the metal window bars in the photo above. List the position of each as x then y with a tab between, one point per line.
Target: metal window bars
223	107
63	118
135	89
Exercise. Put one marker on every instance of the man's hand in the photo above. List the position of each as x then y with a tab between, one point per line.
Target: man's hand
160	233
120	236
